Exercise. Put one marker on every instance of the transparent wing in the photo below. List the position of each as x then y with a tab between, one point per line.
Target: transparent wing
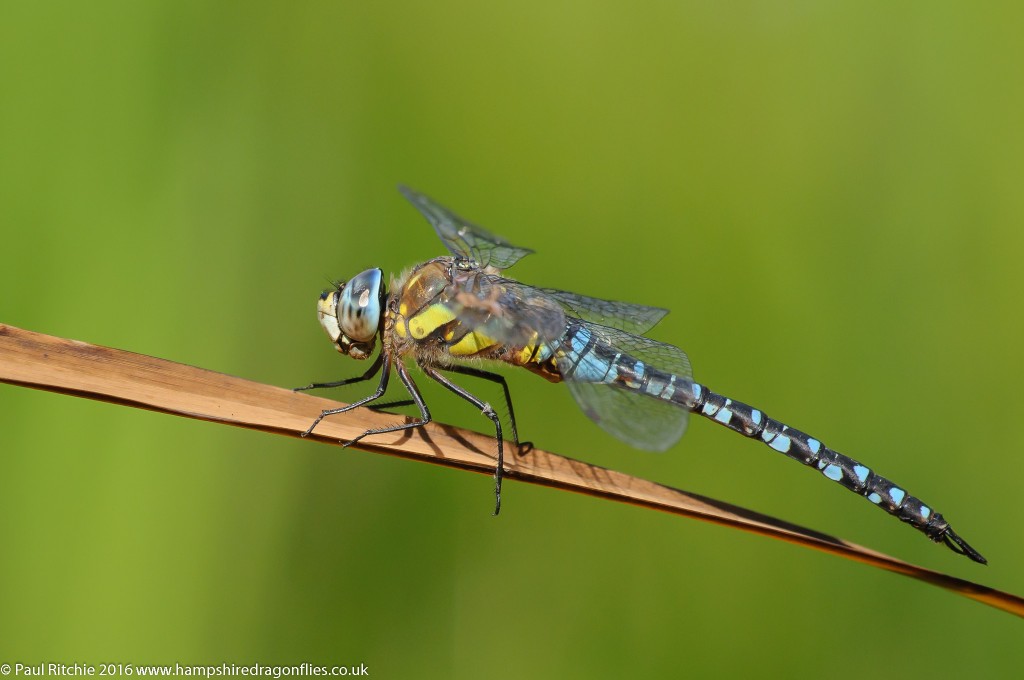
624	316
517	314
464	239
510	312
641	420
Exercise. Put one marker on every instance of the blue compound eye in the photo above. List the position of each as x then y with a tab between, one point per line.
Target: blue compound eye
359	306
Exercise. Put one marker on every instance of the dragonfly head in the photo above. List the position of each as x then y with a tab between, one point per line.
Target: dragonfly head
351	314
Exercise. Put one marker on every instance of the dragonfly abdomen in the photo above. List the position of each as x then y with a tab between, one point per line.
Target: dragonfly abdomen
582	357
837	467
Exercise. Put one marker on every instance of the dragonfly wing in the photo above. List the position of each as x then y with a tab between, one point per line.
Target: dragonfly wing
518	315
464	239
508	309
636	418
510	312
624	316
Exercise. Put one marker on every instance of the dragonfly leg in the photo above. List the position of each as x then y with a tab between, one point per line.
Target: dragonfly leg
382	363
370	372
495	378
403	375
486	409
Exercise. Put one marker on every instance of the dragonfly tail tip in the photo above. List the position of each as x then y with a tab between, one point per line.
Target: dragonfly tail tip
959	545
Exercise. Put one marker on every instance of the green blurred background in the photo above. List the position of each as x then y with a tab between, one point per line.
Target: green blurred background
828	197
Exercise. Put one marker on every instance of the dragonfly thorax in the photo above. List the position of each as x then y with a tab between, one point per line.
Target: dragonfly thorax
351	314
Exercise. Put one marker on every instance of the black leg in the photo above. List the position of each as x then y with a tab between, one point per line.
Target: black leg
403	374
385	364
370	372
495	378
487	411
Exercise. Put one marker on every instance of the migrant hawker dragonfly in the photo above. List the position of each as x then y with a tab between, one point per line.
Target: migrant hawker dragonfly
447	314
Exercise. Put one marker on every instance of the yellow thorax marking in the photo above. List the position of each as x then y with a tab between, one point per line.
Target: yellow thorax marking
471	343
400	326
429	320
523	356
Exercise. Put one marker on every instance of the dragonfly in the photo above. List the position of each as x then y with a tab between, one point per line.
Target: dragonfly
453	314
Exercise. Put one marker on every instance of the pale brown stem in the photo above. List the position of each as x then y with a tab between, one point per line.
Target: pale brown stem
81	369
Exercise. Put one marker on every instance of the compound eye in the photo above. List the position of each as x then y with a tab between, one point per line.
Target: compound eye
359	306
